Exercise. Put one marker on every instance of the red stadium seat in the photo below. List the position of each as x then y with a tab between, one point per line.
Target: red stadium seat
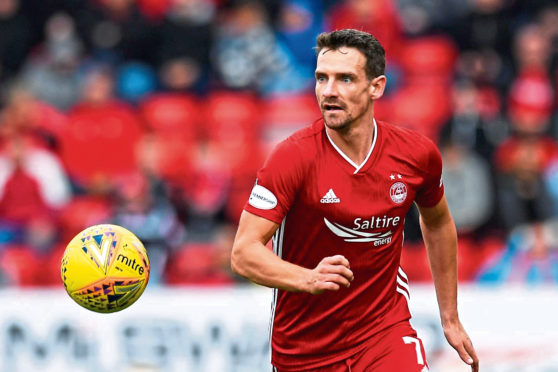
50	266
414	262
247	163
471	255
196	264
21	265
172	115
169	157
423	108
207	183
100	142
232	116
378	17
289	110
285	114
429	58
82	212
383	109
154	9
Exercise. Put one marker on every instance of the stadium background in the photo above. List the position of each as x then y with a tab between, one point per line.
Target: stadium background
156	114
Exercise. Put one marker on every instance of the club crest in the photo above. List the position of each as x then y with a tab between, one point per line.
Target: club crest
398	192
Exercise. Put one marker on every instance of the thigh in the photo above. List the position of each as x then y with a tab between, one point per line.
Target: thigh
341	366
398	350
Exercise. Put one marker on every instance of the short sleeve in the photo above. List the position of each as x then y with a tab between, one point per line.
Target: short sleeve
432	189
277	183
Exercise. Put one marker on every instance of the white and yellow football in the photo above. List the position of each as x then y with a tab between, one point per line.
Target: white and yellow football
105	268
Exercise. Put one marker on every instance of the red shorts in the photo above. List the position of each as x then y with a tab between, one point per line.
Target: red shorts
395	349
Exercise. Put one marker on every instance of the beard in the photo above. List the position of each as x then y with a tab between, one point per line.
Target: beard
338	123
341	120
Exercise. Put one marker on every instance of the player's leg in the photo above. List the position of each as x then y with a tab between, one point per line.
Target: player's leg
397	350
341	366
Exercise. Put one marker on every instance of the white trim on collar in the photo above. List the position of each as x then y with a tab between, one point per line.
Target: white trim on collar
357	167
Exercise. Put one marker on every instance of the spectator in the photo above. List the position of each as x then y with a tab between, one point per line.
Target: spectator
116	30
531	256
468	187
484	35
419	18
300	21
32	181
15	39
532	49
380	18
26	115
103	133
143	207
31	173
522	194
531	102
469	126
183	52
51	75
487	26
248	56
33	190
206	189
531	97
135	81
548	21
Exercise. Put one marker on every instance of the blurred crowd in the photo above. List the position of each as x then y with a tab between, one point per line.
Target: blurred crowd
156	114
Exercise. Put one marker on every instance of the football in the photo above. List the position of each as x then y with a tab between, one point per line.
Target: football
105	268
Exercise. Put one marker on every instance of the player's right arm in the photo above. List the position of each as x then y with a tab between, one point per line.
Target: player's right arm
253	260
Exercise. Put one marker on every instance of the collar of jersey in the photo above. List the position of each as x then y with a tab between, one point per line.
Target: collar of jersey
357	167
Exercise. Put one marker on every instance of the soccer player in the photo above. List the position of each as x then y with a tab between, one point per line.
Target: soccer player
334	197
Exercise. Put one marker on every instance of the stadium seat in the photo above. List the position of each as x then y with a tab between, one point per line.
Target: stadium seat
82	212
231	116
168	157
100	142
50	266
287	113
208	182
196	264
172	115
21	265
428	58
414	262
154	9
378	17
422	108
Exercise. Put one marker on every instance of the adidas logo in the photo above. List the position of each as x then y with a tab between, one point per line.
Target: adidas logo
329	198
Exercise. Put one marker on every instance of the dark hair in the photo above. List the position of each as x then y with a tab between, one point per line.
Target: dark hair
363	41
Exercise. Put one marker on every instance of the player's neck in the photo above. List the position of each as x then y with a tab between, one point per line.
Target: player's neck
355	141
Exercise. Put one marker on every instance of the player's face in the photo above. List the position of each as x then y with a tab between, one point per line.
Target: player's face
342	88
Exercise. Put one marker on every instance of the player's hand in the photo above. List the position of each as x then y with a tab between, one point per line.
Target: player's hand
331	274
460	341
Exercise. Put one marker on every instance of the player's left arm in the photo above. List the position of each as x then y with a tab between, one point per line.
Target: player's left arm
440	238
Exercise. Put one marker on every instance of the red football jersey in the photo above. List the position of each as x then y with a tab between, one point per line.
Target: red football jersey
327	205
